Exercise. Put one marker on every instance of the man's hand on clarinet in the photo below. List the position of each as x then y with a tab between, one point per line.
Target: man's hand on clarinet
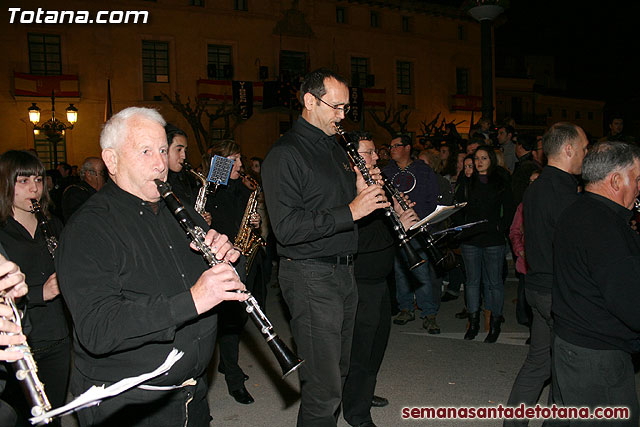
408	218
12	279
220	246
217	284
367	201
12	284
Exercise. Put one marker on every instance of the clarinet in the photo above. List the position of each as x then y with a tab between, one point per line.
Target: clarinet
288	360
26	369
43	222
412	257
427	241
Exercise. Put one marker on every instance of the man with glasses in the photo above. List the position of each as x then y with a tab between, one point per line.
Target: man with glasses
92	177
314	201
376	250
418	182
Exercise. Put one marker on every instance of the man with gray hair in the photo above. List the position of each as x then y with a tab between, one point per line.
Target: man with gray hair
565	145
93	175
135	289
595	285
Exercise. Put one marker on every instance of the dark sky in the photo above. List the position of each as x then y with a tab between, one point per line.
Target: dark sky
595	43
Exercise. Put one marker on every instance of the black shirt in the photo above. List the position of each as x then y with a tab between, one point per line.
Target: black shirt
227	206
183	187
376	249
490	198
125	272
74	196
595	282
543	202
46	318
308	185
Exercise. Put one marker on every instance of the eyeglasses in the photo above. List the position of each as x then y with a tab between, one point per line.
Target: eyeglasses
392	146
344	109
369	152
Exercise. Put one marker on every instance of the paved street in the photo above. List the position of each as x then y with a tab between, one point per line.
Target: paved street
419	370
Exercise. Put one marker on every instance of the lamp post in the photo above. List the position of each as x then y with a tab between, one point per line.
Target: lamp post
485	14
53	128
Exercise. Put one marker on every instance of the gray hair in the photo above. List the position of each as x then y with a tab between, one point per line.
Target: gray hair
88	163
116	129
557	136
607	157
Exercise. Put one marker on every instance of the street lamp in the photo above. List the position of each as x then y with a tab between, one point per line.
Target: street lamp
485	14
53	128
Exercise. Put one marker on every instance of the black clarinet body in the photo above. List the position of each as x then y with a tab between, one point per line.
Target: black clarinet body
413	258
43	222
426	240
288	360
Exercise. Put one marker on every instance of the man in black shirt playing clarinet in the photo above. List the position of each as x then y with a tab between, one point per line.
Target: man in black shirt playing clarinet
373	263
314	199
135	289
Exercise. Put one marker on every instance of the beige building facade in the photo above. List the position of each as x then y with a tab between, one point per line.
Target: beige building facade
404	54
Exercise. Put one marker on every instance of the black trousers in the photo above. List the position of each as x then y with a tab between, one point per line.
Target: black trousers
536	370
232	318
370	336
322	299
146	408
594	378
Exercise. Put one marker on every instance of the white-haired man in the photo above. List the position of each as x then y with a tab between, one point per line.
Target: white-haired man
135	289
595	290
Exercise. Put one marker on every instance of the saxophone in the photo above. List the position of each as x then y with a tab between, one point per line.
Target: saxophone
248	241
201	200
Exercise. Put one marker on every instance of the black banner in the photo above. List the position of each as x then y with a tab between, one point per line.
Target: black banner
243	97
355	100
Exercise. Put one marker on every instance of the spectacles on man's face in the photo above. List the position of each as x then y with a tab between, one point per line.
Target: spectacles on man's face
344	109
392	146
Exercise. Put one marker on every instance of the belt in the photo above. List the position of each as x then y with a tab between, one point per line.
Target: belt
339	260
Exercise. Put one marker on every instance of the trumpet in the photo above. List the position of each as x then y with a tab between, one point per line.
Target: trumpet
413	258
288	360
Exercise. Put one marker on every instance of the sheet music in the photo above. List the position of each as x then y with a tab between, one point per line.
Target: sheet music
220	170
440	213
94	395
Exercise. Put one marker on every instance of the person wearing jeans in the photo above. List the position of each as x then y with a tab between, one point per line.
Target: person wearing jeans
488	195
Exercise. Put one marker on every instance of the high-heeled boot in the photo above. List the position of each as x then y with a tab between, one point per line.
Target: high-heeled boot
494	331
474	326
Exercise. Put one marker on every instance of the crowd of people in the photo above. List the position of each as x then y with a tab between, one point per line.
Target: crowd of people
114	283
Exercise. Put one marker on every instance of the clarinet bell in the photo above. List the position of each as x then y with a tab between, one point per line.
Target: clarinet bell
413	259
287	359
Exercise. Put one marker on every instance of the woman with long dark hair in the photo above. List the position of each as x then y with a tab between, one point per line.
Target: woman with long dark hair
488	196
22	179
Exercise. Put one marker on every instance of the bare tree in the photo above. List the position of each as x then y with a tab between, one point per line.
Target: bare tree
204	135
393	121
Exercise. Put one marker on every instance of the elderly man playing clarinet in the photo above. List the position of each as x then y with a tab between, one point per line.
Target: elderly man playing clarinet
135	289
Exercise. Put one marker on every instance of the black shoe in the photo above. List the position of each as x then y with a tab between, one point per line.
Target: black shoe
464	314
242	396
366	424
379	402
494	330
448	296
474	326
